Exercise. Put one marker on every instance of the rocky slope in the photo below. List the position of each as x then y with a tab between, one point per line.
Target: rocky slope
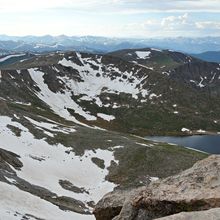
153	92
153	58
178	66
195	189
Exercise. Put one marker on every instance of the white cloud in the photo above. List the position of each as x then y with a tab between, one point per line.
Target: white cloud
26	5
104	17
175	22
208	25
182	25
114	6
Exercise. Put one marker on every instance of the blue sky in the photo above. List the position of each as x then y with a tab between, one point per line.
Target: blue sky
113	18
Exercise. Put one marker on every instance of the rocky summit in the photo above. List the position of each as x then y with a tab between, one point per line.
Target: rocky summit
190	193
72	129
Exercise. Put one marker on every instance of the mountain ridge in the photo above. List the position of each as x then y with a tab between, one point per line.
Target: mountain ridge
210	56
137	83
95	44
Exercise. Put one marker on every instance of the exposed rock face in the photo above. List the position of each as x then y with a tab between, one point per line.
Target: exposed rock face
195	189
6	158
112	203
213	214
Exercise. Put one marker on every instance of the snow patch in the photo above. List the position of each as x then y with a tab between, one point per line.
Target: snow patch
153	95
143	54
156	49
22	103
185	130
106	117
142	144
165	73
200	83
152	179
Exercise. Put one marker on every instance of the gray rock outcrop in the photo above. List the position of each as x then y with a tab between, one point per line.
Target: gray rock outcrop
195	189
211	214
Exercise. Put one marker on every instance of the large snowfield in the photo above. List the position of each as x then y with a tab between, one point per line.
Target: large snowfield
53	164
89	87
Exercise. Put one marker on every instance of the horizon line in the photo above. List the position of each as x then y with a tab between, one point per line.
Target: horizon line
102	36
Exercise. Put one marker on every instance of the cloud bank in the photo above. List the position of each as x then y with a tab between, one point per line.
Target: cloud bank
120	18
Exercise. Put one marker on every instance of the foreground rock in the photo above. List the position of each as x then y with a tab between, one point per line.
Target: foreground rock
112	203
213	214
195	189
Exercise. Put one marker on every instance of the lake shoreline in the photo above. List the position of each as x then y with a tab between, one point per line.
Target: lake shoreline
209	143
184	134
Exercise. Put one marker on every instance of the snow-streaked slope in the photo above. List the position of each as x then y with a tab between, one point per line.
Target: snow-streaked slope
10	56
14	204
51	126
95	79
58	101
92	86
45	165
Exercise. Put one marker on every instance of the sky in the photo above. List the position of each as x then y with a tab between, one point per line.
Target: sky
111	18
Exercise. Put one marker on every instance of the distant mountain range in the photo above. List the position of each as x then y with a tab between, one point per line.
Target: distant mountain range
103	44
211	56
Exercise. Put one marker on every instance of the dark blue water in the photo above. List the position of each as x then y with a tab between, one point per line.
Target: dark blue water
206	143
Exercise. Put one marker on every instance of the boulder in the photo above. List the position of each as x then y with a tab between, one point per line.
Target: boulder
195	189
213	214
111	204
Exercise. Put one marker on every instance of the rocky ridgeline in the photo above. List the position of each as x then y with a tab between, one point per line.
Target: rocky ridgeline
142	92
194	194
